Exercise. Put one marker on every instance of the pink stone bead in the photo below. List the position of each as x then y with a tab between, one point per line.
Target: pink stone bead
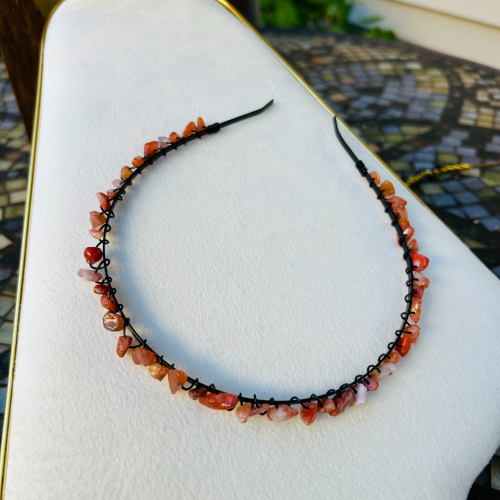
413	331
422	281
386	369
123	345
117	183
360	396
415	309
111	193
95	233
143	356
260	409
413	245
103	201
283	412
97	219
163	141
375	176
395	201
328	405
370	384
243	412
308	415
176	379
89	275
418	292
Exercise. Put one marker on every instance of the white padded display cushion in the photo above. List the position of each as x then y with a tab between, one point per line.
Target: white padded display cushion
256	259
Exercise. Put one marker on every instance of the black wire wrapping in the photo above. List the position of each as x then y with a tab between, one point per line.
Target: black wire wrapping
194	382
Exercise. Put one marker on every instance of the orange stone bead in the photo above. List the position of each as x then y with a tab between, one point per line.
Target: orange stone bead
405	343
308	415
396	200
100	289
413	245
328	405
123	345
113	322
221	401
103	201
260	409
407	229
143	356
418	292
174	137
413	331
394	357
415	309
421	280
197	393
159	372
189	130
283	412
95	233
376	177
200	124
138	161
342	402
176	379
97	219
92	255
150	148
126	172
420	262
243	412
400	212
108	303
387	189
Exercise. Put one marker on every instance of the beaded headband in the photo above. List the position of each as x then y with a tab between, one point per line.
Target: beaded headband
334	401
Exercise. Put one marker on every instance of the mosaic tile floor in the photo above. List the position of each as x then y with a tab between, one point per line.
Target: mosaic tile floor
417	110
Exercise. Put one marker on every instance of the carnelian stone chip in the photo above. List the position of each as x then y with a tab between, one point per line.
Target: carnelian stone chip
143	356
126	172
103	201
174	137
243	412
221	401
375	176
113	322
176	379
420	262
138	161
150	148
97	219
100	289
308	415
387	189
159	372
108	303
200	124
405	343
92	255
189	130
123	345
197	392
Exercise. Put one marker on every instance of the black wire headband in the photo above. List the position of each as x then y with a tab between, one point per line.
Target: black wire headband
335	400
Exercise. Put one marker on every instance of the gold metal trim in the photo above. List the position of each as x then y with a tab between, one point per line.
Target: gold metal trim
22	265
29	201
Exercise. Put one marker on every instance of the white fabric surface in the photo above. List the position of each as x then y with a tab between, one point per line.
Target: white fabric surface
256	259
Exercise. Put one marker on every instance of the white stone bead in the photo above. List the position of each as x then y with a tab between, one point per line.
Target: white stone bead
360	396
